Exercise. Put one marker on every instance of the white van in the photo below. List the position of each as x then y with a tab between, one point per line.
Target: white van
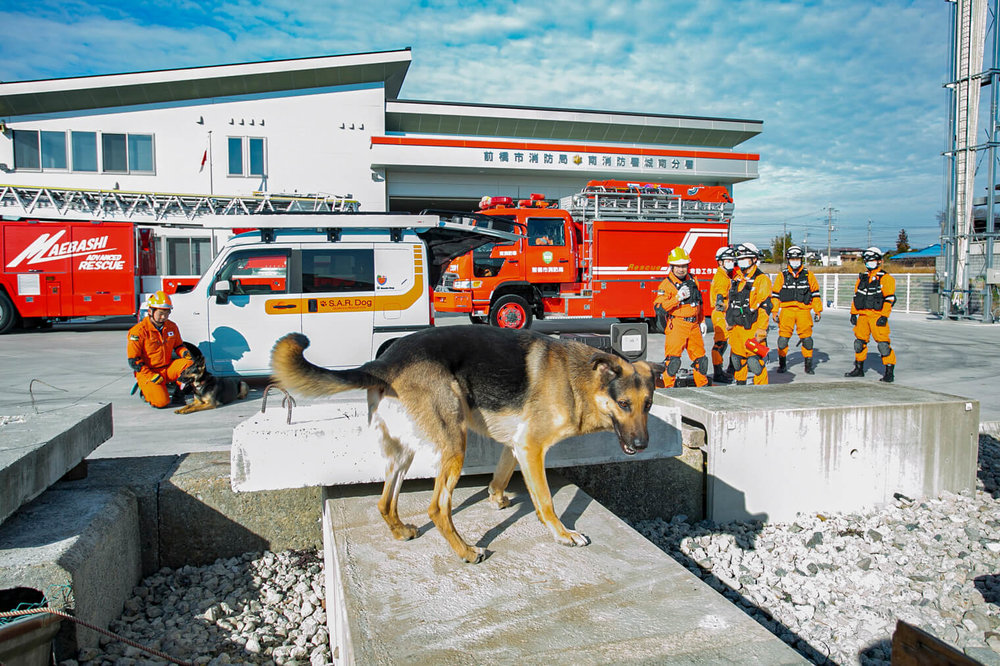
351	283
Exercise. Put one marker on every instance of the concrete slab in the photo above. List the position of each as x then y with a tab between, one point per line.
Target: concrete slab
775	451
330	444
532	601
80	548
36	450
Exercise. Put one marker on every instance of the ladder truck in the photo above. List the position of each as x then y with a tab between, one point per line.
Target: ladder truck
599	253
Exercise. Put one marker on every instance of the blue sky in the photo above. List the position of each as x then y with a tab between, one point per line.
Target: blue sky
850	91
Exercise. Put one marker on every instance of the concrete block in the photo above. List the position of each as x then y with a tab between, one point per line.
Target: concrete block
532	601
775	451
201	519
36	450
80	548
330	444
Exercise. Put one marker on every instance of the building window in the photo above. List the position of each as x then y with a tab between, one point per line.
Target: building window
140	153
26	150
127	153
114	153
84	146
53	150
247	156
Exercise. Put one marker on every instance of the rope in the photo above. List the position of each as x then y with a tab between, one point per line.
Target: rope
49	611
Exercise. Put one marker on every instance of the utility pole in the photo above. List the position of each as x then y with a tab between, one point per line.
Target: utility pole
869	232
830	210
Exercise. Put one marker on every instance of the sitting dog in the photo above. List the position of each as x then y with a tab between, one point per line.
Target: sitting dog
208	390
525	390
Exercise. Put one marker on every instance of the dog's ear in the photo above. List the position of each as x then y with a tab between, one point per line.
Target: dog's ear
657	368
608	366
196	354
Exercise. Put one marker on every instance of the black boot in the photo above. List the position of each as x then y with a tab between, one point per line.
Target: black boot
741	382
720	376
782	364
888	376
858	371
809	366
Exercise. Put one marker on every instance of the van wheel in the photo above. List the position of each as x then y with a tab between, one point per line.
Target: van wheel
8	315
510	311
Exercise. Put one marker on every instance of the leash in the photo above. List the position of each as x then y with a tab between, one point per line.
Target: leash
50	611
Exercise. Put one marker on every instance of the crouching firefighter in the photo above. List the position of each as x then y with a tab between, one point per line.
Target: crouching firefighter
796	292
718	297
747	314
155	353
874	296
679	300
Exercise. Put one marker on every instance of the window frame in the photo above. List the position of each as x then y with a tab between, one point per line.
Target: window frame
245	156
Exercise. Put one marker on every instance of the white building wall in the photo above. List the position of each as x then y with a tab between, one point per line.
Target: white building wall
315	142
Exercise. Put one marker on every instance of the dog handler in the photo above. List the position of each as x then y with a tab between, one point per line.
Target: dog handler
747	314
796	291
152	346
680	300
874	296
718	295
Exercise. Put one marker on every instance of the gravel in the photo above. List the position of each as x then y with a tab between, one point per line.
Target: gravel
831	586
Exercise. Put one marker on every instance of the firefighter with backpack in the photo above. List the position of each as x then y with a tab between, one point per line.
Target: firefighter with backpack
747	314
678	299
719	297
874	296
795	293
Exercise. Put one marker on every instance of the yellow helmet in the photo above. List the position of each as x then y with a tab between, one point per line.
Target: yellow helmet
678	257
159	300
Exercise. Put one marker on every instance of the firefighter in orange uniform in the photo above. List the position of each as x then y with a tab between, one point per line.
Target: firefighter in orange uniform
795	293
152	345
874	296
679	300
718	296
747	314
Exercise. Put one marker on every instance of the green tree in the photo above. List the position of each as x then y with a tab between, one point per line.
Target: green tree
779	245
902	242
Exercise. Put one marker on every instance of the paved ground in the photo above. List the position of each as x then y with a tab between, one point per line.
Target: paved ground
85	362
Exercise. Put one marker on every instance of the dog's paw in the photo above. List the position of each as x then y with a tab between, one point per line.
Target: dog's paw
500	501
474	555
572	538
404	532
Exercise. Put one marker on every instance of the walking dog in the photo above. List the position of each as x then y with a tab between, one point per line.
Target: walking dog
209	391
525	390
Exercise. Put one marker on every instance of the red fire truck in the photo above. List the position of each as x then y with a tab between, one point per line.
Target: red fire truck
599	253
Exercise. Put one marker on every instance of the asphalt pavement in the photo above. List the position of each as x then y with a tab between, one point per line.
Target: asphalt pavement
84	362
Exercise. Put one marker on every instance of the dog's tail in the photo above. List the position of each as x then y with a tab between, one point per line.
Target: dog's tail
294	373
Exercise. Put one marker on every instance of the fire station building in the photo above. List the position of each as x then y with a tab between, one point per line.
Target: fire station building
334	125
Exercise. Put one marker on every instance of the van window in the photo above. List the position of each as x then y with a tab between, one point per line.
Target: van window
256	272
326	271
545	231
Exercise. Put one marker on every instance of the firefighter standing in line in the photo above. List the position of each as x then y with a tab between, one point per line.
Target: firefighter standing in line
152	344
874	296
795	293
718	295
679	299
747	314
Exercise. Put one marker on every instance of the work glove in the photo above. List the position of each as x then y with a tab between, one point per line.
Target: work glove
775	317
719	304
157	379
703	327
683	292
659	310
816	316
854	319
881	321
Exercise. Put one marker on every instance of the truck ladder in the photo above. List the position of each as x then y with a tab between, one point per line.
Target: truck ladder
642	206
154	207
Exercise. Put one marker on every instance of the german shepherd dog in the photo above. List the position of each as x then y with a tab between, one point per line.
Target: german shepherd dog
209	391
524	390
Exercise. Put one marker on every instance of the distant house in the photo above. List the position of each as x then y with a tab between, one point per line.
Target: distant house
924	257
838	255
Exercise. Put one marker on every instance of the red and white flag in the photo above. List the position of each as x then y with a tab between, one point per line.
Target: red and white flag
204	158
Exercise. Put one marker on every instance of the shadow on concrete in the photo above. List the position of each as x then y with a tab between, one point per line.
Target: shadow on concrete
80	325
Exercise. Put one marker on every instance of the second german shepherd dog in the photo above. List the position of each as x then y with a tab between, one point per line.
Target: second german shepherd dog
525	390
209	391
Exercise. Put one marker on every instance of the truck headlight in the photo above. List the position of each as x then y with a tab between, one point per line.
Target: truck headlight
467	284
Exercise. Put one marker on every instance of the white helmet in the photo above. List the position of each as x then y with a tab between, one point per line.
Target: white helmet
872	254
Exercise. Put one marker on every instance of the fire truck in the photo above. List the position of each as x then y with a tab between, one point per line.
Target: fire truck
598	253
68	253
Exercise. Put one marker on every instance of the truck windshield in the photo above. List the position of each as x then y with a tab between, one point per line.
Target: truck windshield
545	231
488	259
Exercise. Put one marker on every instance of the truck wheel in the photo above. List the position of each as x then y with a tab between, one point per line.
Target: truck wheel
477	320
8	315
510	311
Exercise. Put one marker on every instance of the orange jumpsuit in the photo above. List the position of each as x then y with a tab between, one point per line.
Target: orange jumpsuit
795	294
718	296
747	314
682	328
150	355
874	296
